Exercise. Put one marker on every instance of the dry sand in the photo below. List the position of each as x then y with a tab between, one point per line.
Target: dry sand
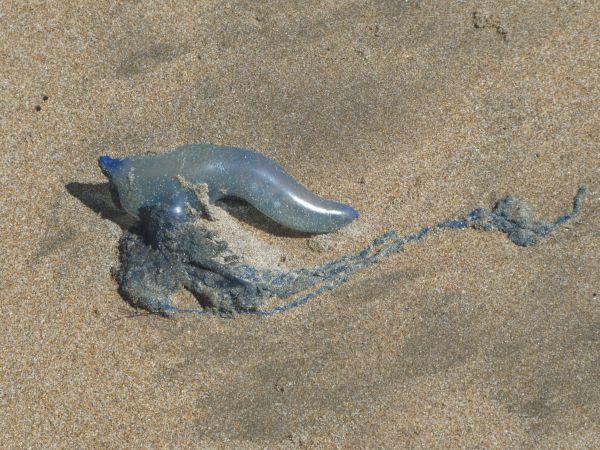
411	111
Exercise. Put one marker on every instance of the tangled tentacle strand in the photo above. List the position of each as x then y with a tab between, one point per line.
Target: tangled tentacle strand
174	254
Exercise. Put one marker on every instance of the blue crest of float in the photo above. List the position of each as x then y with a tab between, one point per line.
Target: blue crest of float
110	165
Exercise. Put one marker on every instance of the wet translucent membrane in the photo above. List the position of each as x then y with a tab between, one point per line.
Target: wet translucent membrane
168	179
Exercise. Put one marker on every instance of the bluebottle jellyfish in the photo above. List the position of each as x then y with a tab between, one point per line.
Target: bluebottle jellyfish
172	179
175	248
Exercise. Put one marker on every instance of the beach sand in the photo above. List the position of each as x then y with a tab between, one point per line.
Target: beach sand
411	111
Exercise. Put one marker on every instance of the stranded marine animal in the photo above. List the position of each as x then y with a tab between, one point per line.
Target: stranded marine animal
174	249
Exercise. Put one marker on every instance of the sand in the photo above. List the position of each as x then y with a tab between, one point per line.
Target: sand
412	112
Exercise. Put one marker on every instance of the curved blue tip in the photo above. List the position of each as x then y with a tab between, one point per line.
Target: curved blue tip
108	164
352	213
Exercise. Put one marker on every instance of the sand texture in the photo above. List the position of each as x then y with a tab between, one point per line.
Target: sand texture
412	112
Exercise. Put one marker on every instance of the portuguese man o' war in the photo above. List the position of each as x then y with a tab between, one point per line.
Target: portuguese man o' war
175	249
171	179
